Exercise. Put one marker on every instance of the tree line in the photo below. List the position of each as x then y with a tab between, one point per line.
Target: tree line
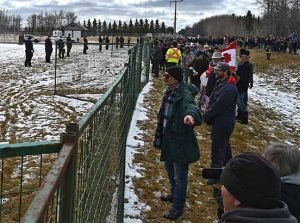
46	22
279	18
9	23
97	27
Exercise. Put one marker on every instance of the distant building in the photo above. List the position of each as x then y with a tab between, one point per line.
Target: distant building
75	30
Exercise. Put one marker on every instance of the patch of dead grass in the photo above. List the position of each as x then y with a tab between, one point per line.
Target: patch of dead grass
264	127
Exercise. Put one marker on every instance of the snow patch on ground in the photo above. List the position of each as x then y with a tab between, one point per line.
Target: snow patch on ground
29	111
133	207
285	102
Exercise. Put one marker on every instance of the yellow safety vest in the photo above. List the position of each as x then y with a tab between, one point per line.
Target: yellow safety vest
173	55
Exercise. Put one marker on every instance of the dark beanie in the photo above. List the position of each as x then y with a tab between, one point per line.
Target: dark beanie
176	72
252	180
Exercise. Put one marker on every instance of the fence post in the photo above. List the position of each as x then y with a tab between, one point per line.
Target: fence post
67	192
55	67
147	62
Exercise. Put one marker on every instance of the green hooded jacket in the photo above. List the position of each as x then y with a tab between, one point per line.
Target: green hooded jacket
179	143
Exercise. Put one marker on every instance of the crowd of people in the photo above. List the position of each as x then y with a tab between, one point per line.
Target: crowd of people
103	40
255	188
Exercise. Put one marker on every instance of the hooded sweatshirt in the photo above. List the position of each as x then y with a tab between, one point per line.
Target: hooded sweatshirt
290	193
280	214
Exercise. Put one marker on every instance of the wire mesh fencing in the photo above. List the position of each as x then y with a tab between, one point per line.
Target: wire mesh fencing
86	183
22	168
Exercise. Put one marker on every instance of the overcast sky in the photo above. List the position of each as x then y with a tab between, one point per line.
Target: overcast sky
189	11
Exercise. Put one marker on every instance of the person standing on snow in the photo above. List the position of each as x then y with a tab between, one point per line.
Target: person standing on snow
69	45
245	74
48	49
28	51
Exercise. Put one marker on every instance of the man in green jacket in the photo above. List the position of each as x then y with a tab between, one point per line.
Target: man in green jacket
176	138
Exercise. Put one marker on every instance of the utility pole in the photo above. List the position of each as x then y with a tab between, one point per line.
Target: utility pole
175	14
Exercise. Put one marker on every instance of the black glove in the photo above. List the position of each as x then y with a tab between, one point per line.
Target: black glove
251	85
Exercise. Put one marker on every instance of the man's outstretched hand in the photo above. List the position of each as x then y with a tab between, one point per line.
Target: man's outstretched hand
189	120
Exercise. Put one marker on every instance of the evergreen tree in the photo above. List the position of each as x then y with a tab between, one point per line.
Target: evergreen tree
157	26
89	25
120	27
136	26
104	27
130	26
99	27
84	24
151	26
141	26
125	28
170	29
114	27
163	27
249	21
146	26
94	27
109	29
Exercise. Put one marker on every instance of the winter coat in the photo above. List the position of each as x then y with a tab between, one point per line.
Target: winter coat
157	54
290	193
28	46
69	42
85	44
48	45
222	103
211	82
179	143
60	44
200	66
245	72
279	214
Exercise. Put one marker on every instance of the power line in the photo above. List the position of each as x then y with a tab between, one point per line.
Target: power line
175	14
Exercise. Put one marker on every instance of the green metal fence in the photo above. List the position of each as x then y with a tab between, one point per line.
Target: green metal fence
23	167
86	182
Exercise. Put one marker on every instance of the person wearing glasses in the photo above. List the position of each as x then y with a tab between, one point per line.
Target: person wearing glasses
175	137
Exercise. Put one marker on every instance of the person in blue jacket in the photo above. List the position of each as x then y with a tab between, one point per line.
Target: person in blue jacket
221	115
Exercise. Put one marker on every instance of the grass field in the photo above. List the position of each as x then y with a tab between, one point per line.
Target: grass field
266	125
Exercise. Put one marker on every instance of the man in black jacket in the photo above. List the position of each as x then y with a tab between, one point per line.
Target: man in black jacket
245	73
100	43
251	192
61	48
156	57
28	51
221	115
48	49
69	45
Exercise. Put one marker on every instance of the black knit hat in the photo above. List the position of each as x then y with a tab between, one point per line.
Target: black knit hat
252	180
176	72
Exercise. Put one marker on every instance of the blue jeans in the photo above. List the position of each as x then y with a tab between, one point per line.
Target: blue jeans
221	151
178	178
242	101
